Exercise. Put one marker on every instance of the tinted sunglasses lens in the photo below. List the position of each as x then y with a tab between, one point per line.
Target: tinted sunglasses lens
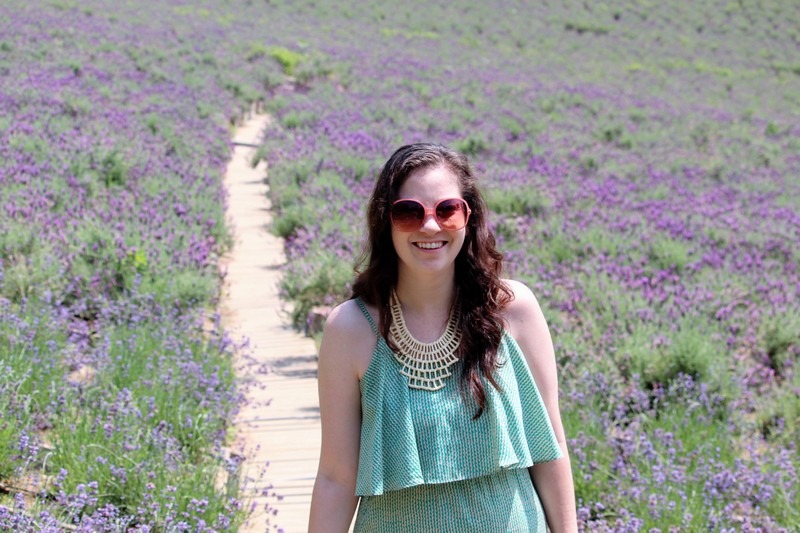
451	214
407	215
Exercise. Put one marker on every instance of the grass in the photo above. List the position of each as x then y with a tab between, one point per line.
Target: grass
639	165
116	406
142	433
633	184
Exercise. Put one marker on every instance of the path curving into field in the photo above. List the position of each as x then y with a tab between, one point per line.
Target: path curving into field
279	425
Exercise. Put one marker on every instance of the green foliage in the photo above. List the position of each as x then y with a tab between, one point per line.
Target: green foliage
299	205
138	260
359	168
77	105
292	218
409	34
96	247
298	119
609	315
560	248
9	438
471	146
706	435
421	89
184	288
591	472
637	116
780	336
506	229
790	68
30	358
97	258
113	169
141	357
772	130
28	264
286	182
287	59
35	146
527	201
589	164
307	290
311	67
512	126
693	352
241	91
666	437
258	156
17	241
75	66
33	276
615	134
581	27
702	135
204	110
658	356
778	416
600	241
270	81
153	123
666	253
256	51
276	104
149	442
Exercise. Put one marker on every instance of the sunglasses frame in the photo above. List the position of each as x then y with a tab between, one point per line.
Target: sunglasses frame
430	211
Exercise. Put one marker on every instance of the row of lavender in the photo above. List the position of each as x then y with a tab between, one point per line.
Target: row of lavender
638	157
117	386
641	160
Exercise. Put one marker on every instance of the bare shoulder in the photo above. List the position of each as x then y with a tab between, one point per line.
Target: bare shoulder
523	310
346	319
526	323
348	338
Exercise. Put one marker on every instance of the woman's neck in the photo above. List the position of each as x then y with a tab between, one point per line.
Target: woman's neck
426	296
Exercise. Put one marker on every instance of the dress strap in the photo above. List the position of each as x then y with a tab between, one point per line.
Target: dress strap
366	314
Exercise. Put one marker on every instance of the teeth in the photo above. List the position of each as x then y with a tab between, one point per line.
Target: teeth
429	245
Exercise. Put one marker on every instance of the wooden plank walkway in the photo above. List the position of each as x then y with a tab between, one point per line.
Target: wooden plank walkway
279	426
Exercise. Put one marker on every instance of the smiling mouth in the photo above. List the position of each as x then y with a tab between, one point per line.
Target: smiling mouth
429	245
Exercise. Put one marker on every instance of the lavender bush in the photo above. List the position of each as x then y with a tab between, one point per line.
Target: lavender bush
641	163
640	160
117	383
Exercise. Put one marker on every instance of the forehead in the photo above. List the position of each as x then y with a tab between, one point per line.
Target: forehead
431	184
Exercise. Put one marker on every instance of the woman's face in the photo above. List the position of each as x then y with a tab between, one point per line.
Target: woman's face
430	249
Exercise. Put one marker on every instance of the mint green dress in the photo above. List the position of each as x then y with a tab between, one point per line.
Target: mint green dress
426	465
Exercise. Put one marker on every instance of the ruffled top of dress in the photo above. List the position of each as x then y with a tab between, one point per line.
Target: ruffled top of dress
411	437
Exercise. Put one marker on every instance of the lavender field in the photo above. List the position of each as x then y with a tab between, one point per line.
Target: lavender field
642	161
117	383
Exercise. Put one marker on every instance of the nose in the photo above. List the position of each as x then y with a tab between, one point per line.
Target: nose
429	224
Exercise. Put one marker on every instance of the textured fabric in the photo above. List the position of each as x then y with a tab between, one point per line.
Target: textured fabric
504	501
413	437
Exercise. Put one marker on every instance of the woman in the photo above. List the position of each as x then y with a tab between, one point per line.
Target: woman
437	380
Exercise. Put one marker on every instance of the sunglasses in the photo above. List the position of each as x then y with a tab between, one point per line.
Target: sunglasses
409	215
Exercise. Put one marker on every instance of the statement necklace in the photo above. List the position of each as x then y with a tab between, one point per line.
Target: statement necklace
426	365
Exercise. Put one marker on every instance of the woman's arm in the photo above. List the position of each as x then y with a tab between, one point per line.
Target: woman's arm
553	479
346	341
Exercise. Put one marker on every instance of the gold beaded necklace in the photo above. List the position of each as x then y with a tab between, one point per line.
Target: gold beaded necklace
426	365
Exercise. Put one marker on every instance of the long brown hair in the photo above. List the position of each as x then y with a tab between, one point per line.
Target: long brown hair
480	292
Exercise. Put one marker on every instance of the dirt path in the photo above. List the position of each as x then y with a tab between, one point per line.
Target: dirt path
280	423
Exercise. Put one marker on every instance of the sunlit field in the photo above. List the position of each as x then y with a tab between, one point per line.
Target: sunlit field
641	160
116	382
